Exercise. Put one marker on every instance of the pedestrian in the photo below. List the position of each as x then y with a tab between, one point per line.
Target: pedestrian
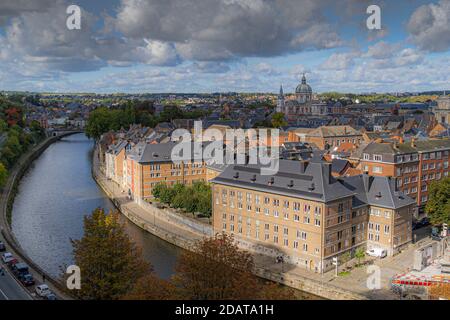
43	278
2	271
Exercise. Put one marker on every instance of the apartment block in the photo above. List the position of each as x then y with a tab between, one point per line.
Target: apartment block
306	215
150	164
414	165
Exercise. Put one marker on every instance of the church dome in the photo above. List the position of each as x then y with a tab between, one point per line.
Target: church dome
303	87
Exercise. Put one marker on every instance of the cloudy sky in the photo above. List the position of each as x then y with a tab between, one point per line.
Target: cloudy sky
224	45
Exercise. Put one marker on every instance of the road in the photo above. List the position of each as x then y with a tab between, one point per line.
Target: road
10	289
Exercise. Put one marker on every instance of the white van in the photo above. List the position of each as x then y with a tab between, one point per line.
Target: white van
377	252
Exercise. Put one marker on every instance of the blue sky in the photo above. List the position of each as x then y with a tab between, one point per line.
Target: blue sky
224	45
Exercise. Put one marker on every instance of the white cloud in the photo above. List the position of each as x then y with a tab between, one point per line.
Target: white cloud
429	26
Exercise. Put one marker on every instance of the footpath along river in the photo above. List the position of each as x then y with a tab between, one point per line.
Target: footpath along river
54	196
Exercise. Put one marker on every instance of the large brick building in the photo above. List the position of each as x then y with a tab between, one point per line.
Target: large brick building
414	165
306	215
328	137
149	164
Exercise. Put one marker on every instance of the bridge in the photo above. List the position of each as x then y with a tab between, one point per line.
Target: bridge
63	132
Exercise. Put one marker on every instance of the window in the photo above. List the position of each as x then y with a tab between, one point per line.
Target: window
296	217
295	244
387	214
305	247
317	222
275	213
377	169
286	242
377	157
386	229
306	220
285	231
366	156
296	206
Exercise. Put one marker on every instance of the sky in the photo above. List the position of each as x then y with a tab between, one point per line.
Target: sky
181	46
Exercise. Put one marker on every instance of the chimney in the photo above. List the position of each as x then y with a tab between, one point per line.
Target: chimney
366	181
303	166
327	172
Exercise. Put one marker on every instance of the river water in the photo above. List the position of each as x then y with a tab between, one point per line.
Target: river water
54	196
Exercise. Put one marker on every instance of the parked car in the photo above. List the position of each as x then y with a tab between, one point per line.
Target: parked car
7	257
42	290
27	279
2	247
377	252
19	269
50	296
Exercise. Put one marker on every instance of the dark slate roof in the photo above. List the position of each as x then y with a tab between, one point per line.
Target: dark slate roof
376	191
337	165
314	183
162	152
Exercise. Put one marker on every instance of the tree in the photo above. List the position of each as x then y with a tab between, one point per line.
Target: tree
110	262
345	258
440	290
360	254
278	120
438	205
150	287
218	269
3	175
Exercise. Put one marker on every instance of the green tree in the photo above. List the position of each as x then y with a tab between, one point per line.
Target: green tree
3	175
278	120
110	262
345	258
360	254
438	204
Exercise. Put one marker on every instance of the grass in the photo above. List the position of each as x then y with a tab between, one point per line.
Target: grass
343	273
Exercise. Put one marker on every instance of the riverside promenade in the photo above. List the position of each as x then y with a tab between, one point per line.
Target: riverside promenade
184	234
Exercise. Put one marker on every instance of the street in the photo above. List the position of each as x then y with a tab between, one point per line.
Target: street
10	289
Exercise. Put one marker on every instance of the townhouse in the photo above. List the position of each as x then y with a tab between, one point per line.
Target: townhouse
306	215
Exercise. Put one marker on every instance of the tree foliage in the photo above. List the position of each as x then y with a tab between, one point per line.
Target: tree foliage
3	175
194	198
278	120
102	119
150	287
438	204
110	262
218	269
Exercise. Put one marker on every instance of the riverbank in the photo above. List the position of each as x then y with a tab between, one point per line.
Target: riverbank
184	233
7	199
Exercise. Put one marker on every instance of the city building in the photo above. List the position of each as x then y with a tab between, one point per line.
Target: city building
149	164
306	215
442	109
414	165
329	137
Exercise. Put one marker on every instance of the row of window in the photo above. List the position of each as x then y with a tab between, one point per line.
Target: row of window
275	238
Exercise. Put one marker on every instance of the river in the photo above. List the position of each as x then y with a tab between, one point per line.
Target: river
54	196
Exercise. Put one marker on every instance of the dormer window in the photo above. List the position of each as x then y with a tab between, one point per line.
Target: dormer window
366	156
377	157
